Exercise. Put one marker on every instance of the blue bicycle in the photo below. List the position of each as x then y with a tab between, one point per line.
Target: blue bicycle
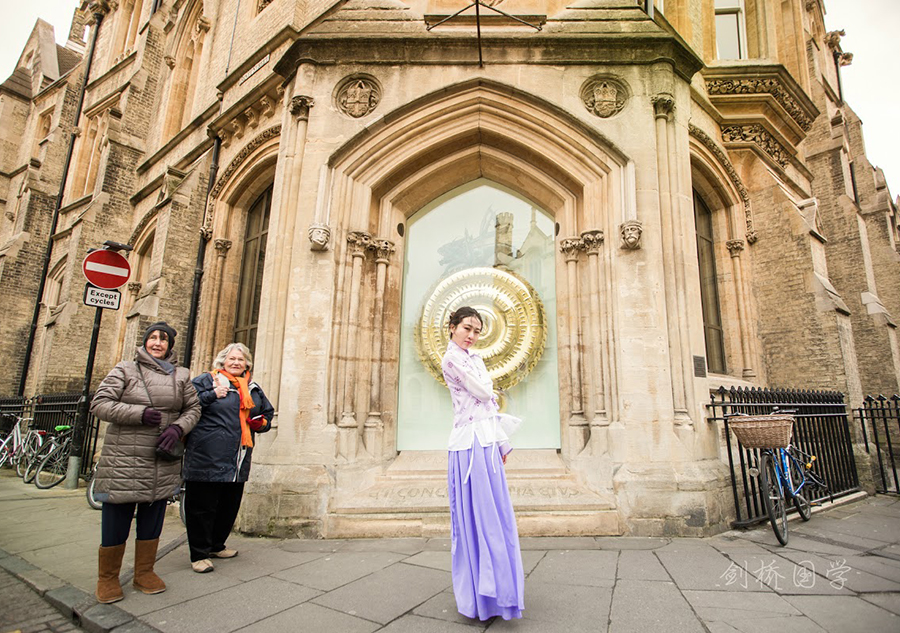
784	470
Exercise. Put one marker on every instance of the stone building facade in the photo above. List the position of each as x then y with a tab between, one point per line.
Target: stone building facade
645	204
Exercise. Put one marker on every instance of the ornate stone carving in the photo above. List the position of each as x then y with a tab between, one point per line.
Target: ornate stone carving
319	236
592	241
756	134
237	127
570	247
134	287
663	105
359	243
170	61
845	59
248	149
358	95
252	118
222	246
300	105
604	96
262	4
833	38
734	247
704	138
206	233
383	249
631	231
762	86
203	24
268	108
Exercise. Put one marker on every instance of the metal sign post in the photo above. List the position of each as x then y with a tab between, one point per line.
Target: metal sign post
106	270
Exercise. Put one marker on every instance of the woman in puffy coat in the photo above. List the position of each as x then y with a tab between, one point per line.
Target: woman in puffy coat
150	404
218	452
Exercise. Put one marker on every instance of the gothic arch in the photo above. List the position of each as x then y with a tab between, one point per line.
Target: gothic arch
250	172
476	129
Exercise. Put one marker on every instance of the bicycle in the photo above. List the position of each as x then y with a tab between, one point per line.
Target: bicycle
52	469
782	474
19	446
32	467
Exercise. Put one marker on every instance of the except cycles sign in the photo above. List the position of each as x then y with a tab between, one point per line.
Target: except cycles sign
100	298
106	269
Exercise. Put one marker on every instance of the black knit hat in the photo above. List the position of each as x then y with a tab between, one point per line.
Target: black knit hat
161	326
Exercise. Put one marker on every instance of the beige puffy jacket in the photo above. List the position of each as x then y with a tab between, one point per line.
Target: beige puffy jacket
129	470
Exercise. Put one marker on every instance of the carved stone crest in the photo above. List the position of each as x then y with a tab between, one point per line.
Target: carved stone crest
358	96
604	96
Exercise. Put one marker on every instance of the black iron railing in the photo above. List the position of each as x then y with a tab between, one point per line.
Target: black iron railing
821	428
50	410
880	421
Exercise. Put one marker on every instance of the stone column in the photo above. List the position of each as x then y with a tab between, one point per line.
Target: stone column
374	426
222	247
735	247
663	107
593	241
570	247
294	128
348	437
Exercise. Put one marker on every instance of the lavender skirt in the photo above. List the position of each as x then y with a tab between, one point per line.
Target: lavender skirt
487	565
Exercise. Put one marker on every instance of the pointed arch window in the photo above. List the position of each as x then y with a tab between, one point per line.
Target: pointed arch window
185	65
709	292
252	264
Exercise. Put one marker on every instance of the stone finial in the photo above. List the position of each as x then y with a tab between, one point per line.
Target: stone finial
631	231
319	236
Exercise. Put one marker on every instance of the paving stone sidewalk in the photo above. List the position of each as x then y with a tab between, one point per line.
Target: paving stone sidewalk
840	572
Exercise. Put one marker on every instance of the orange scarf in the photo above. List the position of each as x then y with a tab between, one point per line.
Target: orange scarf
242	384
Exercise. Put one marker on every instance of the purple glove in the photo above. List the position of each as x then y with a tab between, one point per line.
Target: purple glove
151	417
170	435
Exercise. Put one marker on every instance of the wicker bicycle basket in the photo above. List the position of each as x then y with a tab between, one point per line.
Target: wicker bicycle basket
763	431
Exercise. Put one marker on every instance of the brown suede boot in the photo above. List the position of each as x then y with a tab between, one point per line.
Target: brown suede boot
108	587
144	559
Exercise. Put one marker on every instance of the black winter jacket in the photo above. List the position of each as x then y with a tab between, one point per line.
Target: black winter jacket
213	449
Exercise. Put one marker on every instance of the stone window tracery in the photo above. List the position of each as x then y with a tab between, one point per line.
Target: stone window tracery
126	29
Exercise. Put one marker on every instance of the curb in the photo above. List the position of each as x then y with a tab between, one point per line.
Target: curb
80	607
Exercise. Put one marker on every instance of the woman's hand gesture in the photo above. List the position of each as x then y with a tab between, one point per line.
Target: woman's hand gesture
221	391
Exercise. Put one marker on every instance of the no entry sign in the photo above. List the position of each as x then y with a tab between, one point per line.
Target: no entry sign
106	269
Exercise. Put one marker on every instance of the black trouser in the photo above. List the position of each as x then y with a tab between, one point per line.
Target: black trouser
210	509
115	521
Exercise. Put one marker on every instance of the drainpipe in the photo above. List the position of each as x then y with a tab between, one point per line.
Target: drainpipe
201	255
29	346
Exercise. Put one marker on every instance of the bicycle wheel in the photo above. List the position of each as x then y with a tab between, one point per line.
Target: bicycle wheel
31	469
52	469
181	509
91	499
5	450
804	507
30	448
773	498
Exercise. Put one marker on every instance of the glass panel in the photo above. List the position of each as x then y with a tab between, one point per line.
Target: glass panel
459	232
709	291
728	39
252	264
728	4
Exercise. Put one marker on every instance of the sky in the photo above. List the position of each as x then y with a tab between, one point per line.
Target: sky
871	83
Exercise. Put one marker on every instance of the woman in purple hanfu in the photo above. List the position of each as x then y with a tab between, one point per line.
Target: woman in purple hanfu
484	543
